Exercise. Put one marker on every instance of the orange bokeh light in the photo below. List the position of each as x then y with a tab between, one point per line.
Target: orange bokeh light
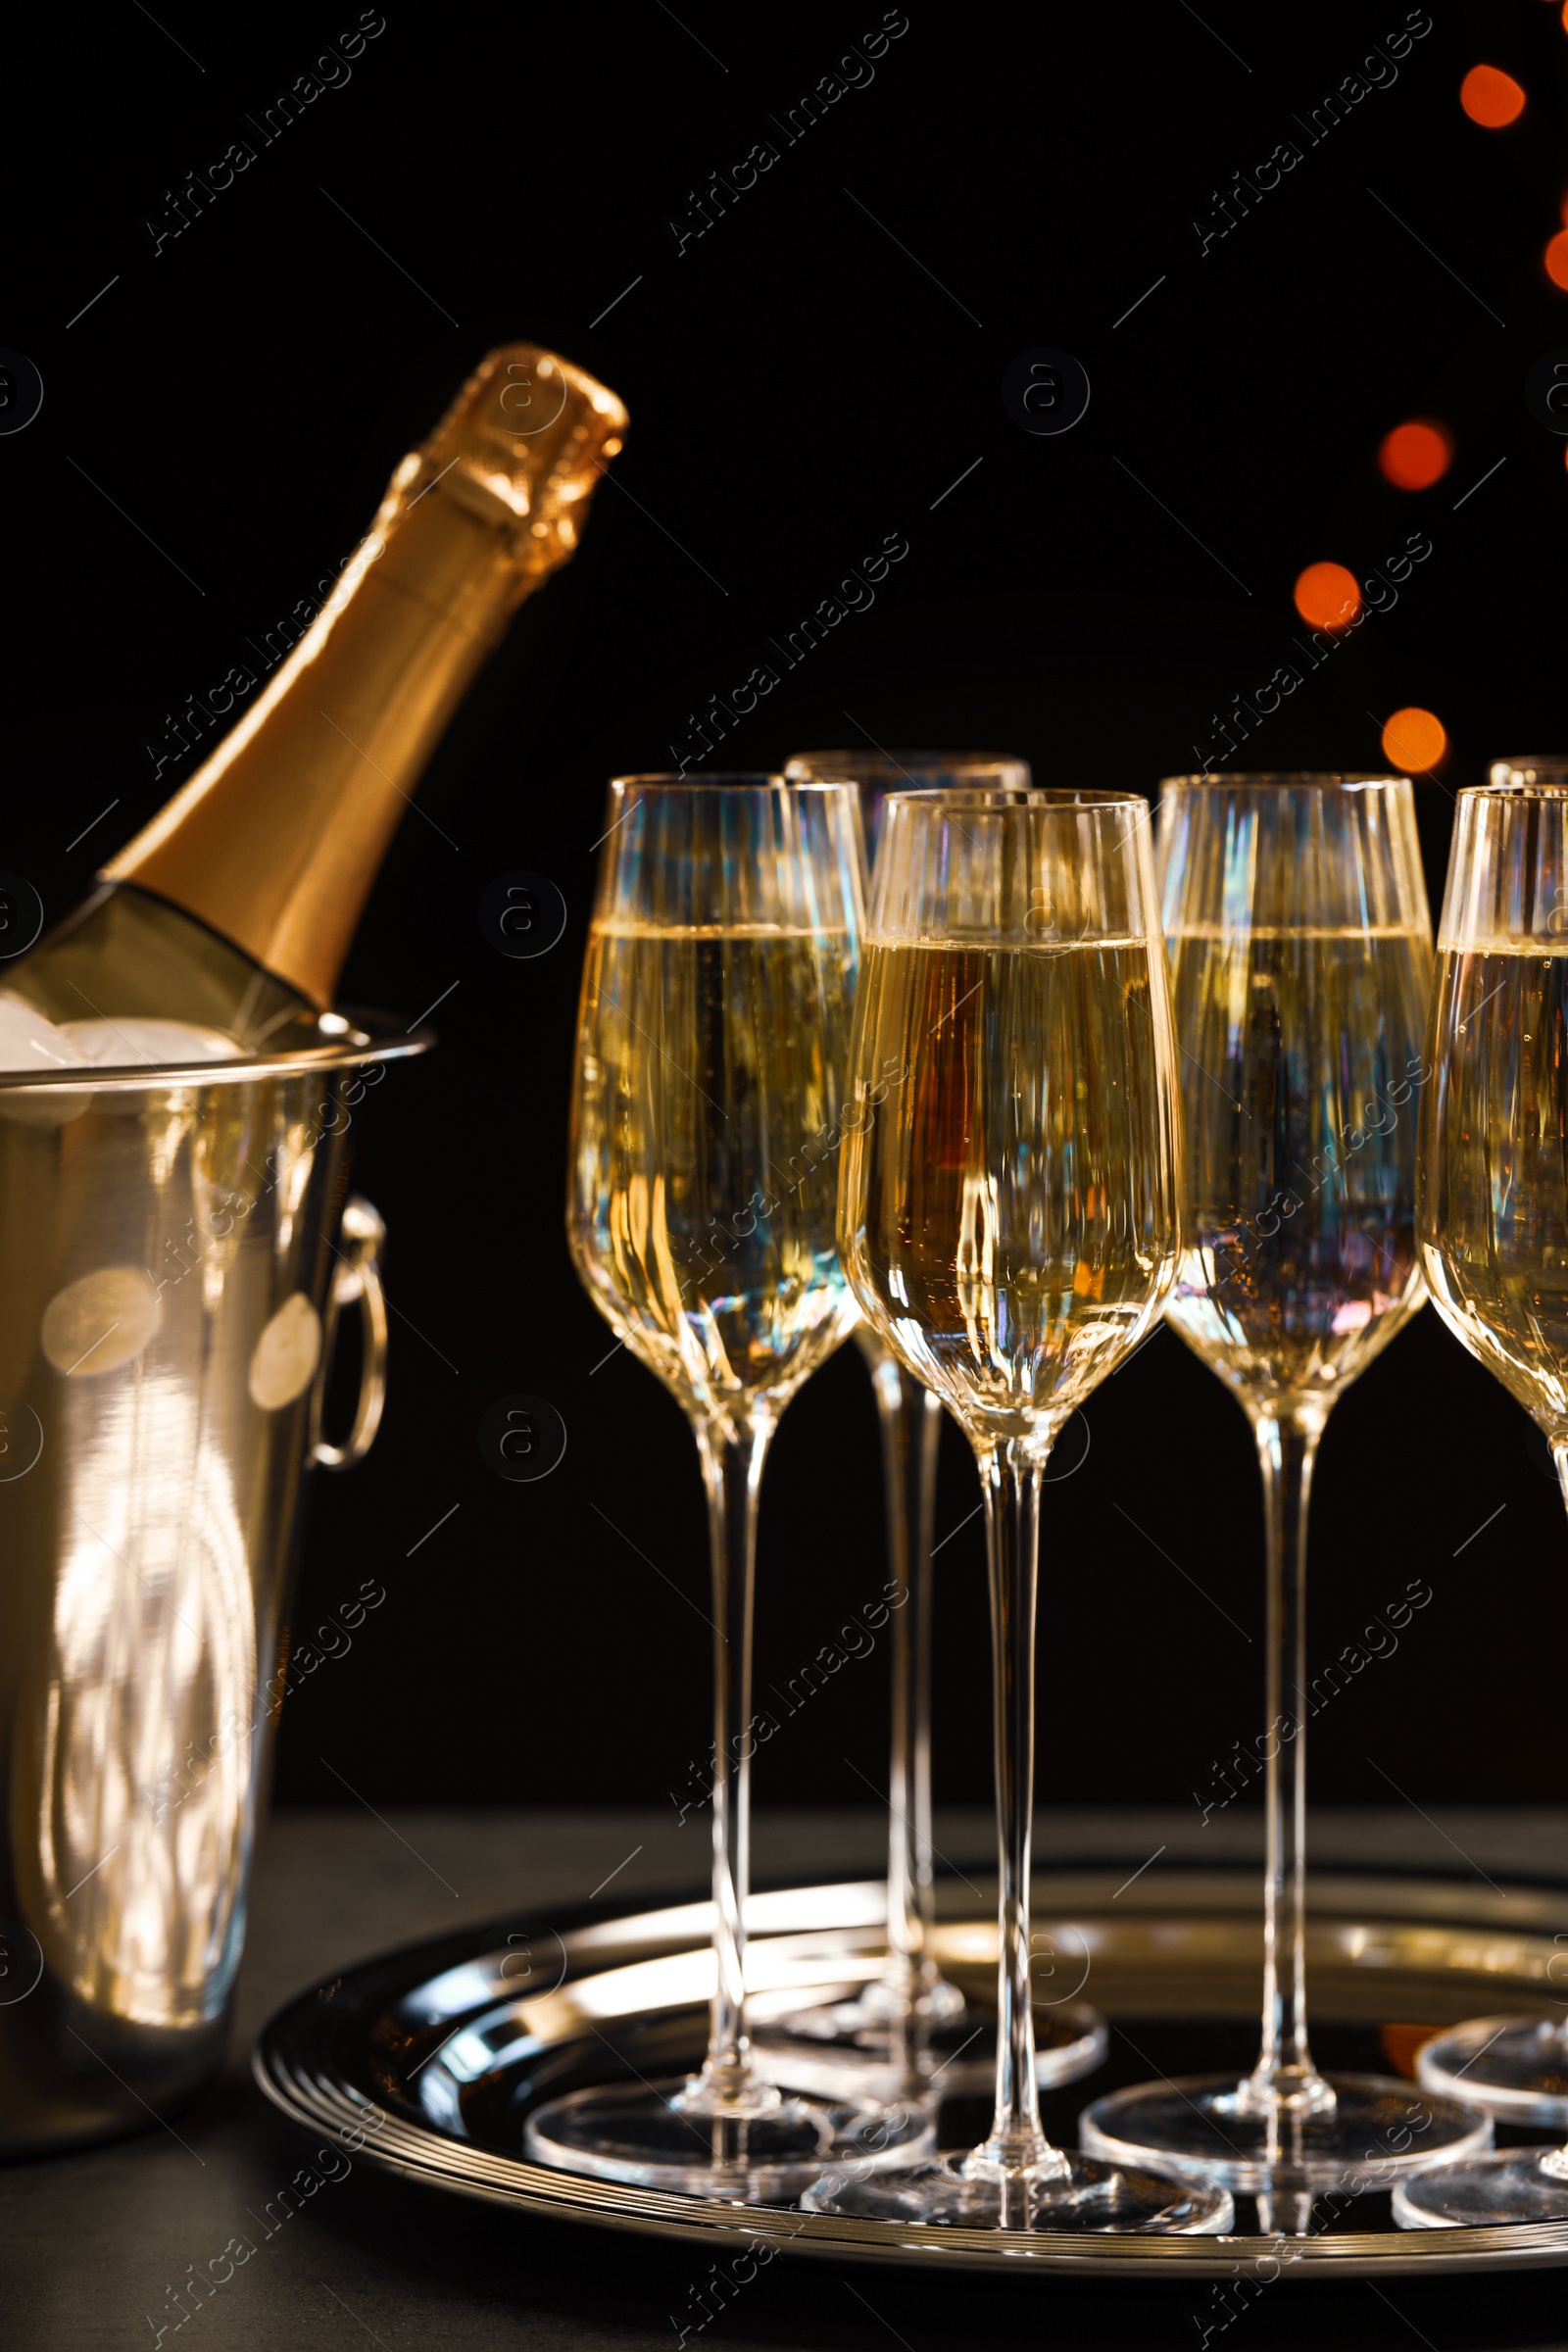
1327	596
1416	455
1556	260
1414	740
1490	98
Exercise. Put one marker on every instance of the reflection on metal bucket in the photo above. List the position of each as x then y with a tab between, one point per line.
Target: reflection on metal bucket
174	1257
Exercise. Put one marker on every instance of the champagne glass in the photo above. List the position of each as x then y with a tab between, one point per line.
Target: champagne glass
712	1048
1300	951
1009	1212
910	2024
1491	1216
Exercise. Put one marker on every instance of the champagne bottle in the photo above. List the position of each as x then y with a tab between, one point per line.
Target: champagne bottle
222	926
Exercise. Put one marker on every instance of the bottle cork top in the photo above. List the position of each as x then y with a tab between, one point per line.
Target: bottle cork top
522	446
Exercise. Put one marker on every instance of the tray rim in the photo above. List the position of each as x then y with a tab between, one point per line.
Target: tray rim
317	2098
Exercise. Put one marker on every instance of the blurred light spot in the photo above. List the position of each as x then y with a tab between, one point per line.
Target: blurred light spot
1327	596
1414	740
1556	258
1416	455
1490	98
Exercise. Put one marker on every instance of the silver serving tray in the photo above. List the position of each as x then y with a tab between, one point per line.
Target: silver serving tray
432	2056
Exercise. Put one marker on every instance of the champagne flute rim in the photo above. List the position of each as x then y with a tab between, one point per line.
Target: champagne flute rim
902	761
1535	787
738	781
1285	780
1528	767
982	799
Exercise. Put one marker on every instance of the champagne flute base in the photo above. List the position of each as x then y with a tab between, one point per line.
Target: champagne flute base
1488	2192
653	2136
1198	2128
1514	2068
1100	2199
845	2048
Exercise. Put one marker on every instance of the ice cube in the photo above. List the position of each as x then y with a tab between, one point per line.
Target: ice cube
129	1041
29	1042
32	1046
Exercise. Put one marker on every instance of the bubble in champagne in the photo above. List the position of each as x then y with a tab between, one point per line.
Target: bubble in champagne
128	1042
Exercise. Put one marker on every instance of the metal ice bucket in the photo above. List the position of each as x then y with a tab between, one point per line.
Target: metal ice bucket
175	1252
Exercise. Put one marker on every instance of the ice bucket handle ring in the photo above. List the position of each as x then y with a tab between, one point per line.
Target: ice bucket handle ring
358	1277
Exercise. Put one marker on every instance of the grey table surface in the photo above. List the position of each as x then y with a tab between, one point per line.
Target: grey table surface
90	2243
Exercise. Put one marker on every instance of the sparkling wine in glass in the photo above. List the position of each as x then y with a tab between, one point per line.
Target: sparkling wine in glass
1008	1218
1491	1217
1296	918
713	1045
911	2025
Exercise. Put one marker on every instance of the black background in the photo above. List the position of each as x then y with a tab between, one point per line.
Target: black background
804	379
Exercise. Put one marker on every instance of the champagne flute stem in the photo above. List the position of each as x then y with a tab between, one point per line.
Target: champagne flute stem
911	1428
732	1472
1010	1485
1286	1449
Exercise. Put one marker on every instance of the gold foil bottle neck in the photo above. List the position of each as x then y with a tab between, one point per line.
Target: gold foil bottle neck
521	448
276	839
